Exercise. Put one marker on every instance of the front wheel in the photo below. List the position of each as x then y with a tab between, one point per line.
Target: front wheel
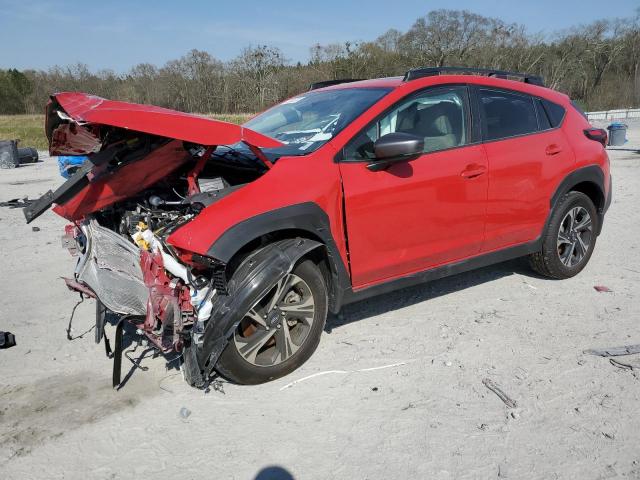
281	331
570	238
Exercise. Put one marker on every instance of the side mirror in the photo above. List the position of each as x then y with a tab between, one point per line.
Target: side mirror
395	147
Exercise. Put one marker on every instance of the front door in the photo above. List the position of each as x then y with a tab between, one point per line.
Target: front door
419	214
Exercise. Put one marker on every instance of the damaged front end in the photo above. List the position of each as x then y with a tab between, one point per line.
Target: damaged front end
140	278
149	172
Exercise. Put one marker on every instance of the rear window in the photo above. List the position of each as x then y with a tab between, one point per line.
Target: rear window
555	112
506	114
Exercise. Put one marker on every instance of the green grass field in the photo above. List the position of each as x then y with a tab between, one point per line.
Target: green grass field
29	129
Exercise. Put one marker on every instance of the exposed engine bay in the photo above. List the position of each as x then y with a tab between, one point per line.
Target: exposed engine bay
126	263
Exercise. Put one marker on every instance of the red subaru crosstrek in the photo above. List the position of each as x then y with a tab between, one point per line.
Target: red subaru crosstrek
231	243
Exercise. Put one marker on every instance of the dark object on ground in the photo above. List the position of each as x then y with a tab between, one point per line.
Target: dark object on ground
17	203
614	351
491	385
9	154
27	155
7	340
273	473
621	365
35	229
617	134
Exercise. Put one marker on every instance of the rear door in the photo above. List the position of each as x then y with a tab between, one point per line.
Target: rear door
526	155
422	213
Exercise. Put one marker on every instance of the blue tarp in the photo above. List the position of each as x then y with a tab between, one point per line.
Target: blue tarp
69	164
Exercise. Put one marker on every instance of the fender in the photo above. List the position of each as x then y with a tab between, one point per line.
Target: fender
307	217
591	174
256	275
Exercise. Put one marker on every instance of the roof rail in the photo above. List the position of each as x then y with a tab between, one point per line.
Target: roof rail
329	83
421	72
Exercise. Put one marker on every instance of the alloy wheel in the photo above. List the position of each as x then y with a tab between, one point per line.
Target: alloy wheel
278	324
575	236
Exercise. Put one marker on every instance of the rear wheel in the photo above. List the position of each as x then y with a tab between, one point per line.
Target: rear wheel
570	238
281	331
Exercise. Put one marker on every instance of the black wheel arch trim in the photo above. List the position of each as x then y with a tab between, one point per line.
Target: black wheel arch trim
256	275
307	217
590	174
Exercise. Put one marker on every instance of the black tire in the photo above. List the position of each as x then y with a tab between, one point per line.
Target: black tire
549	260
233	366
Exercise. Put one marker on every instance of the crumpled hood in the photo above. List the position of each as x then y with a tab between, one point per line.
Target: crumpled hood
92	111
130	148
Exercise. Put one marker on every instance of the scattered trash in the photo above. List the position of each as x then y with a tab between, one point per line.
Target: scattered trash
491	385
185	412
7	340
35	229
602	289
619	364
614	351
17	203
343	372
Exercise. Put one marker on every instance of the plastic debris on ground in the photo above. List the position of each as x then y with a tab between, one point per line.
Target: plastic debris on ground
602	289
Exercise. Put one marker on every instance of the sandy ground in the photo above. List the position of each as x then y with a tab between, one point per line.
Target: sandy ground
426	416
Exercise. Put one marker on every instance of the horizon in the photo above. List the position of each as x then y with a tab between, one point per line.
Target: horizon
118	41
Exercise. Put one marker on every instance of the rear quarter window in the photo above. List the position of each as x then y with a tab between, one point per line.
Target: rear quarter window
555	112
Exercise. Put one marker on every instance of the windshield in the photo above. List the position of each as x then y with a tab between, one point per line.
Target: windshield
306	122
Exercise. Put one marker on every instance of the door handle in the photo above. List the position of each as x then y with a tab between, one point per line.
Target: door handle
553	149
474	170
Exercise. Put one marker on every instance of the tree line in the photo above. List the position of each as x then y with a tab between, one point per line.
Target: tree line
598	65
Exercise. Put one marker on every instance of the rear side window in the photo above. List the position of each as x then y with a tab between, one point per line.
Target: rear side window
506	115
554	111
543	118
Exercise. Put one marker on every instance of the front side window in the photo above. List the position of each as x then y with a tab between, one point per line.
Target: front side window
308	121
436	115
506	115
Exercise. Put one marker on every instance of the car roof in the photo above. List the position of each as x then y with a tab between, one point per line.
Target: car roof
481	80
387	82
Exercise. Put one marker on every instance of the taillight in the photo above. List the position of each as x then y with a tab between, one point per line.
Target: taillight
597	134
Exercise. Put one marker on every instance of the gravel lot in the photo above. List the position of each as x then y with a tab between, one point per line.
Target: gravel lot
394	391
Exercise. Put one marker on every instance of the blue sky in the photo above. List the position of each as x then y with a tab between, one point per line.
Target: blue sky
117	34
